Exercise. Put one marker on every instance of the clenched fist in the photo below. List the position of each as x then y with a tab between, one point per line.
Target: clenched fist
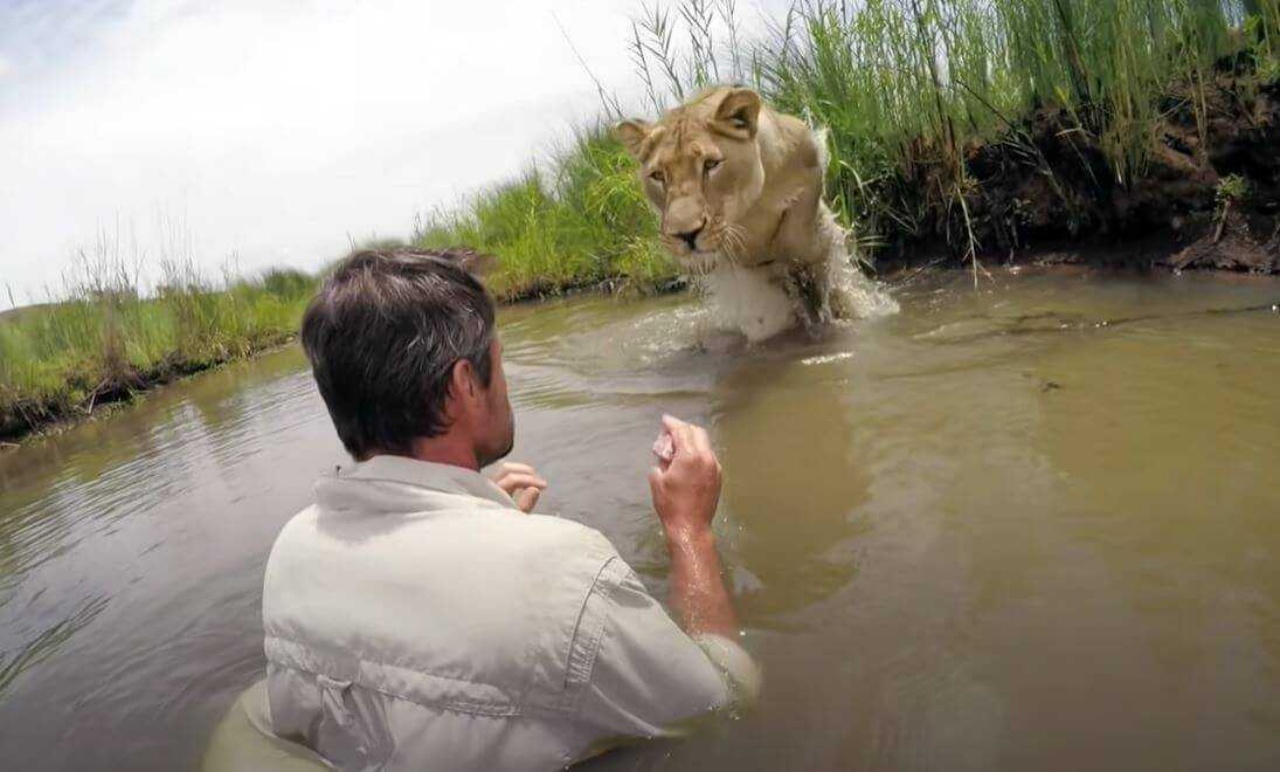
685	485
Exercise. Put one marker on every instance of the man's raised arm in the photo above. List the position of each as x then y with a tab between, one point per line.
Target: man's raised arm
686	490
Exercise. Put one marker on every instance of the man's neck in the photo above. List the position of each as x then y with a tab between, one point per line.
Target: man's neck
449	448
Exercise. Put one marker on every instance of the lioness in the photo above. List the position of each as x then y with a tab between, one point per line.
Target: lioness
739	190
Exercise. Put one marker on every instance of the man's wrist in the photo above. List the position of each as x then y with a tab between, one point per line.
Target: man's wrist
690	538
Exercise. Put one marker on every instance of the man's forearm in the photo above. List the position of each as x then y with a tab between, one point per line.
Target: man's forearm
698	593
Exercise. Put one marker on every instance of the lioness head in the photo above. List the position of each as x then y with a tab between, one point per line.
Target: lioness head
700	167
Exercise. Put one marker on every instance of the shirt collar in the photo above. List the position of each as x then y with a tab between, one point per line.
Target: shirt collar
444	478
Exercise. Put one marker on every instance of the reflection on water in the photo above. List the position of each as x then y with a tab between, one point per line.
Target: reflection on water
1029	527
47	641
786	432
132	562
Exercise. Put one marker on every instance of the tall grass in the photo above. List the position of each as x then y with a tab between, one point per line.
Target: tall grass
905	84
581	221
105	338
906	89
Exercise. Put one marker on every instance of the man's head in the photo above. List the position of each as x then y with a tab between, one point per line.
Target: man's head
403	348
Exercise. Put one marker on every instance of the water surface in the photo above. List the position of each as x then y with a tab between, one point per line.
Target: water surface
1030	527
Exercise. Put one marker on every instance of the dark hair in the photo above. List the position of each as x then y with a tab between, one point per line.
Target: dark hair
383	335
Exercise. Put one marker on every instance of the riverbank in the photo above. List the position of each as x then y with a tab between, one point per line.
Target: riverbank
62	361
1208	196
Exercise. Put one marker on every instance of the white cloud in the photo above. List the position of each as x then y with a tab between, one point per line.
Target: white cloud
278	131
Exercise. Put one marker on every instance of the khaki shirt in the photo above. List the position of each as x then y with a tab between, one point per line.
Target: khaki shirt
416	619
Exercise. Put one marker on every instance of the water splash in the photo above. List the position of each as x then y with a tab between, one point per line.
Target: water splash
753	302
865	298
749	301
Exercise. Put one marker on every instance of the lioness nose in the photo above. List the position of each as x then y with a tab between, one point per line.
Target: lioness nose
690	237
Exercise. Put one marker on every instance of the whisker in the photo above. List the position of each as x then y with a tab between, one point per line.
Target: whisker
736	242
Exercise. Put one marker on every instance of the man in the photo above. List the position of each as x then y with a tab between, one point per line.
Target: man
418	615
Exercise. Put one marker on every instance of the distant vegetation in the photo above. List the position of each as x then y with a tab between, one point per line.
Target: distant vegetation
975	125
106	339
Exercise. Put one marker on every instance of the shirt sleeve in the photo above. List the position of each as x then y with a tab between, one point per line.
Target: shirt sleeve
650	679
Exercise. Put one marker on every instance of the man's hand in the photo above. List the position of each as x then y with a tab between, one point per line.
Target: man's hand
686	488
521	482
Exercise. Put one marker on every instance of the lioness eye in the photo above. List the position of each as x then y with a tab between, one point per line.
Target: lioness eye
711	163
657	177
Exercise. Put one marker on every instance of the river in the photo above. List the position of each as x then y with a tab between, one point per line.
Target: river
1034	526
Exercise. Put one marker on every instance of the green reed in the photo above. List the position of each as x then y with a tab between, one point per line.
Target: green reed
905	82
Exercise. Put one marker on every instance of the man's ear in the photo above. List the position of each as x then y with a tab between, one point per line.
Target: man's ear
462	381
633	135
738	115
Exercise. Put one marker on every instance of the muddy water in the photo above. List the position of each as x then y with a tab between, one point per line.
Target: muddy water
1033	527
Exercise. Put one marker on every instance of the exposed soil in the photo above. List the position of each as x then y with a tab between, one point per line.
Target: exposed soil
1047	182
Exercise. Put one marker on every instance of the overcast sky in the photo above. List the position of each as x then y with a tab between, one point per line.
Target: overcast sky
277	130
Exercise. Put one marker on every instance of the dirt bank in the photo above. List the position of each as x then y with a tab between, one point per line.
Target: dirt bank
22	418
1205	195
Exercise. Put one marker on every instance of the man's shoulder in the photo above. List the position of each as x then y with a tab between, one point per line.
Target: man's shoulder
539	544
301	521
569	533
573	552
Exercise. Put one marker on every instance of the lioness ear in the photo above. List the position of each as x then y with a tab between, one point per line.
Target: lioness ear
633	134
738	114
